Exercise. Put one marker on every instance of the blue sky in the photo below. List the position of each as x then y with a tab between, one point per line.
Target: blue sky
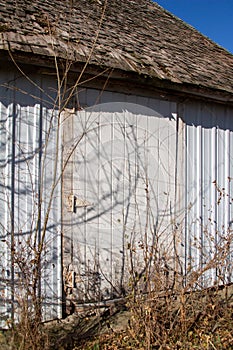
213	18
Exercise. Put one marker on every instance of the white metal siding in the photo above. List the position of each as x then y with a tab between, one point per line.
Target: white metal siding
27	170
209	177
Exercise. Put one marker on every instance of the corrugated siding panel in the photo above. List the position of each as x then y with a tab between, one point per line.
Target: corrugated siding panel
51	279
5	196
27	171
209	141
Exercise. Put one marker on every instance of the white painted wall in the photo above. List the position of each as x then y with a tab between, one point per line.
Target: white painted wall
119	146
124	179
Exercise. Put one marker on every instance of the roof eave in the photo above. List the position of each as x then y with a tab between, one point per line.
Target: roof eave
119	80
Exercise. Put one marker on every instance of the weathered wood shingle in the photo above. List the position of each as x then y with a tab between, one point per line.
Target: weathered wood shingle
135	35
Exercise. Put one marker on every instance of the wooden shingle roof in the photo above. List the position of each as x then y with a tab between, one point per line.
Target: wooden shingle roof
130	35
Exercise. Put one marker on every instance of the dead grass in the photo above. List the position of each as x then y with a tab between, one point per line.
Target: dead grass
197	320
200	320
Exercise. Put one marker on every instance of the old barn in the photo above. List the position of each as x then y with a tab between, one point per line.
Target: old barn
116	143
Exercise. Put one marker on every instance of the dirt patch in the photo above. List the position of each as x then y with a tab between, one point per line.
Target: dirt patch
70	333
